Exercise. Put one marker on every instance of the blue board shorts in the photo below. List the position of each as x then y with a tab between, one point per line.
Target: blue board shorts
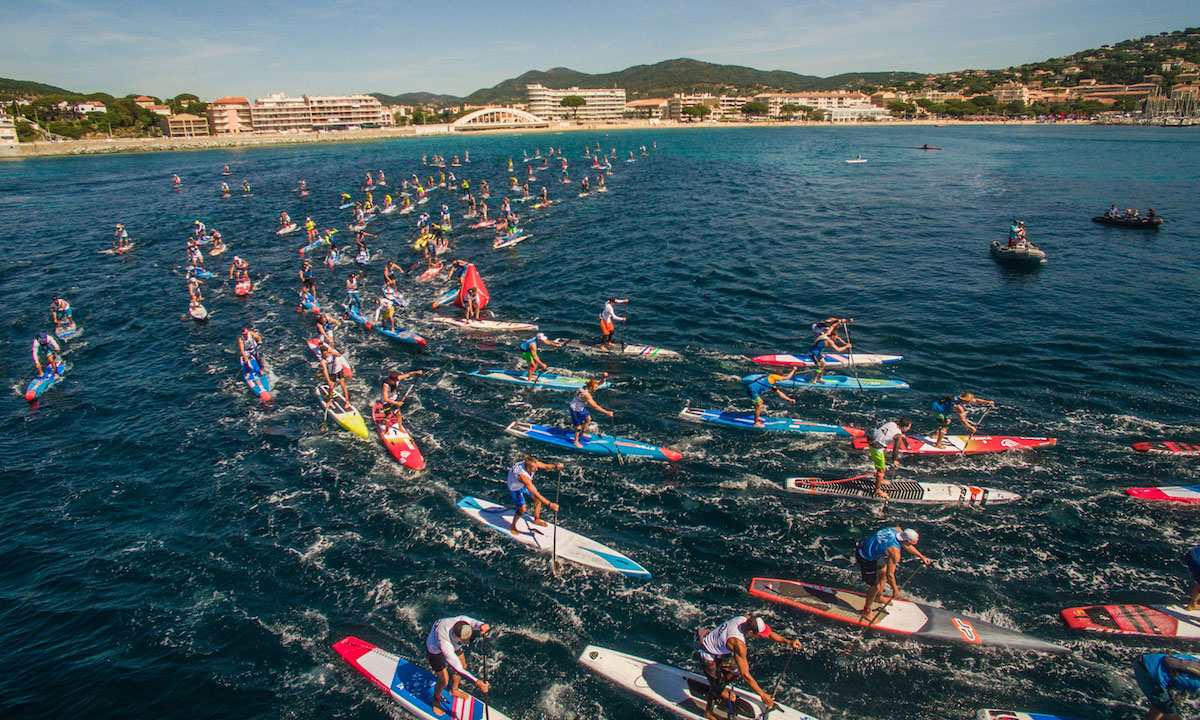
579	418
521	497
1192	567
1159	697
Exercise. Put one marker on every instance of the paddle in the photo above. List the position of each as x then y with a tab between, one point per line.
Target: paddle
554	542
881	610
620	458
328	401
972	435
850	354
483	671
622	337
775	688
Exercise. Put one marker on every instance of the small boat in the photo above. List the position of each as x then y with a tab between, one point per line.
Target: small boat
1026	254
1138	223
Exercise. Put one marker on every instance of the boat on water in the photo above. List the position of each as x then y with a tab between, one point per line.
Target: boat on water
1138	223
1023	254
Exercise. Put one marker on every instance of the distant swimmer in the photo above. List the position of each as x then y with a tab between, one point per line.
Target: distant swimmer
765	384
608	318
826	332
529	351
44	344
444	651
891	435
580	417
723	658
521	488
955	405
877	558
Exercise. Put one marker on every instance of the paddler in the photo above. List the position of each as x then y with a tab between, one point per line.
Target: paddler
881	552
239	267
310	227
608	316
529	351
194	292
122	238
1161	678
306	277
391	273
284	220
352	297
756	388
522	489
889	434
224	189
44	344
955	405
218	244
325	325
826	332
471	304
246	188
444	651
250	347
391	398
580	417
333	368
60	313
723	659
386	308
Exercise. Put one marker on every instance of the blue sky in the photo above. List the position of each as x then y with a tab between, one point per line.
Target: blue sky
252	47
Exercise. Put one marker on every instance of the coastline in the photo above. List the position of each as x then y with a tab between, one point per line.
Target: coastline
71	148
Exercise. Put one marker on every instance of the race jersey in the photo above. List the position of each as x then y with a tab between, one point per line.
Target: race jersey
885	435
578	404
441	642
514	476
877	545
766	383
716	643
1174	672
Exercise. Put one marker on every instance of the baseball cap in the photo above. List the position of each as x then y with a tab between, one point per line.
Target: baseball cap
910	536
760	626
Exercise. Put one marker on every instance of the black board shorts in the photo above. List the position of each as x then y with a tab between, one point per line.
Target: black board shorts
437	661
870	568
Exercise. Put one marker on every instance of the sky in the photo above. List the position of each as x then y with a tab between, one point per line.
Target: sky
215	48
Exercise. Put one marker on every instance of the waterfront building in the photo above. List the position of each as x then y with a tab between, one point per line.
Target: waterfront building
838	105
230	116
184	125
1011	92
679	101
8	130
650	108
603	104
347	112
278	113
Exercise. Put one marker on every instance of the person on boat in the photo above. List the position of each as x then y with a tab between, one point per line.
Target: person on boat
391	398
121	241
224	189
1161	678
826	332
608	318
1113	212
250	348
239	267
521	488
44	344
955	405
578	407
892	435
444	652
333	369
529	351
1150	214
722	656
60	313
284	220
765	384
877	558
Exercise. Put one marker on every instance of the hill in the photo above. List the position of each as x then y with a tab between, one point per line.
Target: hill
28	88
416	98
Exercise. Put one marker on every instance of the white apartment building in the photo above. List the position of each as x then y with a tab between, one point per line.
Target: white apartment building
838	105
8	130
603	104
1011	92
722	106
279	113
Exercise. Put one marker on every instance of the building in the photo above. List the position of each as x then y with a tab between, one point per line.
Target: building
8	130
347	112
230	116
647	109
149	103
679	101
1137	91
85	106
184	125
1011	92
278	113
838	105
602	104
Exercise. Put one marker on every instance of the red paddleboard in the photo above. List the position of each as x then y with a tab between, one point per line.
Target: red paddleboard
964	444
428	274
398	442
1167	447
1143	620
1168	493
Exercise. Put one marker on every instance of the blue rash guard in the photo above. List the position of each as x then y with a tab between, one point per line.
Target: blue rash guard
762	385
945	406
877	545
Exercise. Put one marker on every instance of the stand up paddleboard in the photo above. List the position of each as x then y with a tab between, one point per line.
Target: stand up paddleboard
832	360
594	444
342	411
679	691
571	546
243	287
1167	493
1167	447
646	351
399	334
964	444
398	442
258	381
1015	714
44	382
921	622
199	312
486	326
902	491
287	229
770	424
1170	621
64	334
835	382
544	381
409	684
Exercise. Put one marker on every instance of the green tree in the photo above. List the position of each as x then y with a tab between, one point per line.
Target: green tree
698	112
418	116
27	131
788	110
817	115
983	101
899	107
755	107
574	102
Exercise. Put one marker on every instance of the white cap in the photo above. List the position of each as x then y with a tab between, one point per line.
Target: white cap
759	626
541	336
910	536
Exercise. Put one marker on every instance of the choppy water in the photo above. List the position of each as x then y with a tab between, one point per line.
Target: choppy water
171	547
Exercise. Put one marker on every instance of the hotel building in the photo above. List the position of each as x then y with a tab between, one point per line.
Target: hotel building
603	104
229	116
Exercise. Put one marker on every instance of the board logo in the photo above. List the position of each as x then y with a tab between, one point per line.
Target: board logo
1009	443
967	630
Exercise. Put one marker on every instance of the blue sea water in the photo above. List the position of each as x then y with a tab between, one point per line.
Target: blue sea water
174	548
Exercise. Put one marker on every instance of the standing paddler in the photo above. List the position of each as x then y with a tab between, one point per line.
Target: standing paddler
889	434
444	651
723	659
580	417
757	387
608	318
521	487
826	332
529	351
955	405
881	552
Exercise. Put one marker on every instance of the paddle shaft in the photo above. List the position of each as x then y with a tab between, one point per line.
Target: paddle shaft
885	607
483	671
622	336
972	435
850	356
554	545
775	687
613	421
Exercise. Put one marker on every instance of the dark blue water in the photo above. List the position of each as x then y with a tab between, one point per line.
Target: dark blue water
172	547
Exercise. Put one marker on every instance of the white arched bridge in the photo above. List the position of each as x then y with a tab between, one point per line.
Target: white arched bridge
490	118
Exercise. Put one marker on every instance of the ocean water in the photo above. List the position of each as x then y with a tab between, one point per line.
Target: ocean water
174	548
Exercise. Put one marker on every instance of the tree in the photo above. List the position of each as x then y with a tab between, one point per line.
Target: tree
574	102
27	131
899	107
697	112
754	107
418	116
817	115
983	101
925	103
789	109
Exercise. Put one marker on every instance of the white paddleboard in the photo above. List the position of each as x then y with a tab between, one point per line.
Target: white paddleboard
495	326
903	491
